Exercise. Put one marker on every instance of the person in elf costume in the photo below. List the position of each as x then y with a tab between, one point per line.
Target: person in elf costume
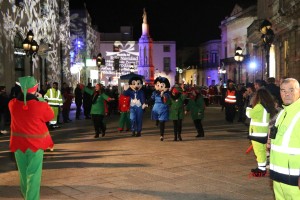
176	103
98	110
137	103
160	110
196	106
124	105
30	135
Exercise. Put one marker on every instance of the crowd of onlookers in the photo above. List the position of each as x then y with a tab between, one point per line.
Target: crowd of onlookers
213	94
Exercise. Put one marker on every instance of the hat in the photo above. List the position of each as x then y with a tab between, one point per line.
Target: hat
28	84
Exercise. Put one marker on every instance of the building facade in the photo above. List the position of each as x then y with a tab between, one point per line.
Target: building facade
234	35
213	72
49	21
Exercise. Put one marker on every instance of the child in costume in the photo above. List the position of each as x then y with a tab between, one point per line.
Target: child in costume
124	105
160	110
196	106
137	104
29	135
176	103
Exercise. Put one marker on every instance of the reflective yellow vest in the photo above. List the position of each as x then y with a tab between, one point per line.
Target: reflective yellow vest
285	148
54	97
259	124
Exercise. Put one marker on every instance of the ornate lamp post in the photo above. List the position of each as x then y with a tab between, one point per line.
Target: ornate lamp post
99	62
267	39
239	59
31	47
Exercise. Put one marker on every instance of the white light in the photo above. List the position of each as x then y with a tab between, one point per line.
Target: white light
94	74
252	65
74	70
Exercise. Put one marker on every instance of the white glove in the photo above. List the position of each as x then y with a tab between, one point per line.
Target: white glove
144	106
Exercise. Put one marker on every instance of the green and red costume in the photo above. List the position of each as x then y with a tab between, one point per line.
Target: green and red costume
124	108
29	137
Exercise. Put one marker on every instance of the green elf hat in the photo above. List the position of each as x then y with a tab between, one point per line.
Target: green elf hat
28	84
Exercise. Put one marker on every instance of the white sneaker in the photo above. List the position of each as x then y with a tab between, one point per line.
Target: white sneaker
4	131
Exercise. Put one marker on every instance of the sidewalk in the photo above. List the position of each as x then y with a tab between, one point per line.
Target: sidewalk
121	167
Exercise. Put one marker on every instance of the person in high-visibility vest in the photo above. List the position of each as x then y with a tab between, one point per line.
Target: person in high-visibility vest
285	144
55	101
230	101
261	113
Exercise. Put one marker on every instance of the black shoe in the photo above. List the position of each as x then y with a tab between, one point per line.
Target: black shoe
103	134
138	135
199	135
175	138
96	135
133	134
258	172
179	137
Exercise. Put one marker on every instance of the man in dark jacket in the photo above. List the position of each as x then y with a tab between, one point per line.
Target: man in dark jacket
78	100
274	90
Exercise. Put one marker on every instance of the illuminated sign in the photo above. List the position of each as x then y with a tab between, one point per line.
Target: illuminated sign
126	56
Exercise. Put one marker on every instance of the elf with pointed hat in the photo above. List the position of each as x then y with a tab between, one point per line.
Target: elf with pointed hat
29	135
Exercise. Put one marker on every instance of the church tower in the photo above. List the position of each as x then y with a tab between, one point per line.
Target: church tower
145	67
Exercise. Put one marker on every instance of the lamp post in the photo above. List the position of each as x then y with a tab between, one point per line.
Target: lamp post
267	39
239	58
99	62
31	47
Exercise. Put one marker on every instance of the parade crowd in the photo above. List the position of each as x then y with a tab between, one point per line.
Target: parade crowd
270	110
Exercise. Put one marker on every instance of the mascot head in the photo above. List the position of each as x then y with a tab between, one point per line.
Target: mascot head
164	84
135	83
157	83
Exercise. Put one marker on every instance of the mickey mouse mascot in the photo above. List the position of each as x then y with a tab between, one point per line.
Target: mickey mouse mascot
137	104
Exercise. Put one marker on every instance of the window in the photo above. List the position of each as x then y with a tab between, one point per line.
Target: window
166	48
19	57
167	64
19	3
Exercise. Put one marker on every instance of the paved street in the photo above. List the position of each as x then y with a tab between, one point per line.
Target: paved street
121	167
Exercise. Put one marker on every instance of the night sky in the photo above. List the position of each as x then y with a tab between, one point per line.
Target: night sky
189	22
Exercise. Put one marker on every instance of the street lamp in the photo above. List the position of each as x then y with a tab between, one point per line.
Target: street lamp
239	58
31	47
267	39
99	60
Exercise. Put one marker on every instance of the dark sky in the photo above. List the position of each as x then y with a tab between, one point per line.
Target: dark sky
189	22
